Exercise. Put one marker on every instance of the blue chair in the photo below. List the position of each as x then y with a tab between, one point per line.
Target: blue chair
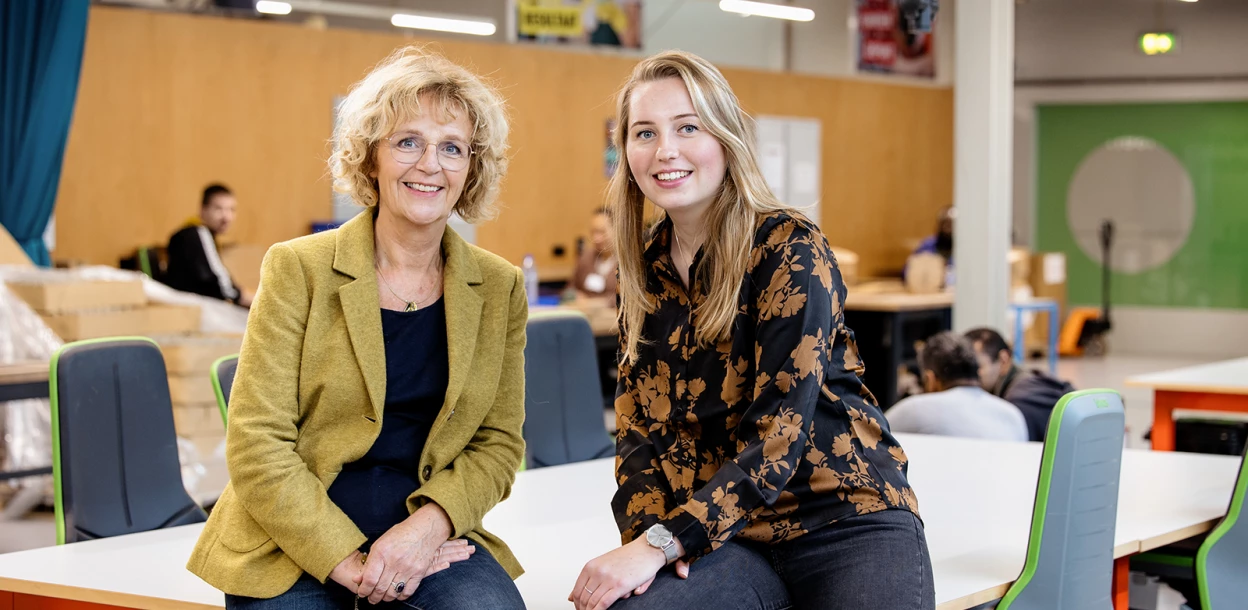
222	375
563	420
1070	555
115	456
1222	561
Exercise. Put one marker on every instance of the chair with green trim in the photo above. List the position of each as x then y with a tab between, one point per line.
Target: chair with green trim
115	456
1070	554
222	374
1222	560
563	416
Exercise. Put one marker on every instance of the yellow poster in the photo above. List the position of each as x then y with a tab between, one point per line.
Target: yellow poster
601	22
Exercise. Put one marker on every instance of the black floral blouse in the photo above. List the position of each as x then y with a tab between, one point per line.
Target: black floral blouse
766	436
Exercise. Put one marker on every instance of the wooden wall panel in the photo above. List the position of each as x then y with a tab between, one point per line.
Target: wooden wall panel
169	102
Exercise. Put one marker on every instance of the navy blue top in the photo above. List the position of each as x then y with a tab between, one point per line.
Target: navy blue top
373	490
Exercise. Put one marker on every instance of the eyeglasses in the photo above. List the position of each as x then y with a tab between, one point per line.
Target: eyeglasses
408	149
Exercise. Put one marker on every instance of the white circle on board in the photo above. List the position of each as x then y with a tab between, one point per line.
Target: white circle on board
1147	193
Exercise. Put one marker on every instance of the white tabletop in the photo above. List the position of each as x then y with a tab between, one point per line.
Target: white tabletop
1226	377
975	498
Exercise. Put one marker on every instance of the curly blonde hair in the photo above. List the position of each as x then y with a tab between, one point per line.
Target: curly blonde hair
390	95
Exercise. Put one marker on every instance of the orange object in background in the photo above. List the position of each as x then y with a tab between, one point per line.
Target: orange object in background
1068	343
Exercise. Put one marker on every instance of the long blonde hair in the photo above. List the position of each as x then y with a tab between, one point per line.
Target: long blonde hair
731	219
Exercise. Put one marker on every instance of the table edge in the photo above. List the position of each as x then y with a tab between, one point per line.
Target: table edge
1167	386
1156	542
977	598
97	596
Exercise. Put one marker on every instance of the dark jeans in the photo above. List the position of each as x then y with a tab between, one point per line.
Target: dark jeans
870	562
477	583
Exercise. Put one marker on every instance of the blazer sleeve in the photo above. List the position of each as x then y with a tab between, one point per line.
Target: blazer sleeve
481	476
271	481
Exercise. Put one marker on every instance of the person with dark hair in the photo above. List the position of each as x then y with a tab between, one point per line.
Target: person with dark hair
194	261
942	242
1033	392
955	404
595	269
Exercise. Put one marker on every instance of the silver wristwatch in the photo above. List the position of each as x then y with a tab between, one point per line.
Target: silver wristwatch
659	537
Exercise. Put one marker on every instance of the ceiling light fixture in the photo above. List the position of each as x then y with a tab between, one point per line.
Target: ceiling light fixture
269	7
439	24
764	9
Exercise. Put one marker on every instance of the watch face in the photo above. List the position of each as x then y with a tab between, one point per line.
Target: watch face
658	536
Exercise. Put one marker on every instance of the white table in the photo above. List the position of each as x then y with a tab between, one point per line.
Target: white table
1220	386
975	496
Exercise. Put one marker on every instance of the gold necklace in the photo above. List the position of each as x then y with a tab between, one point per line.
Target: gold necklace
408	305
679	248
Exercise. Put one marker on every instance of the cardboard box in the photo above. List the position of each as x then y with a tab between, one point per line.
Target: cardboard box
1048	281
194	354
65	294
145	321
197	420
1020	266
191	389
11	253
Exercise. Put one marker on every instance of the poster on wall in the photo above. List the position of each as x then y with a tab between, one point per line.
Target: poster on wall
615	23
892	40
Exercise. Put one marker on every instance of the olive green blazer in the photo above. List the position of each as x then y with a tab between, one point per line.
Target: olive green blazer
309	397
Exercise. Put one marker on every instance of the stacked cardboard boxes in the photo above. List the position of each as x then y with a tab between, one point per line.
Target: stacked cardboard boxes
76	308
188	360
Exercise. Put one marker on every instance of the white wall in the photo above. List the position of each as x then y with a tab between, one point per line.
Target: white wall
725	39
825	46
1082	39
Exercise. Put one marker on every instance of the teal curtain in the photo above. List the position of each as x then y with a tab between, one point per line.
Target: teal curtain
41	43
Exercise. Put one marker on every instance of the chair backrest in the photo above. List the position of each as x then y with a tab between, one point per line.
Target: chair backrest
1070	555
563	420
115	455
1222	559
223	381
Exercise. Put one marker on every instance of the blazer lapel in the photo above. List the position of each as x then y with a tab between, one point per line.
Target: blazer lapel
463	312
353	256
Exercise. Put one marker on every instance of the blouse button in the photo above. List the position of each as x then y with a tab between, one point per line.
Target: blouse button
427	472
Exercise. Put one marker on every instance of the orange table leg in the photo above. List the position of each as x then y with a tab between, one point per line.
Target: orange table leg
1166	401
1164	404
22	601
1122	583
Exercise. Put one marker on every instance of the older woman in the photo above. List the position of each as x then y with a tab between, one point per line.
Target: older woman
374	419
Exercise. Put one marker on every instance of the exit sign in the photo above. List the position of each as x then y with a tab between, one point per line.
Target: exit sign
1158	43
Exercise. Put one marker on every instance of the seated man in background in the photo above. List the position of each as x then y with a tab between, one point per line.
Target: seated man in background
1033	392
955	404
194	262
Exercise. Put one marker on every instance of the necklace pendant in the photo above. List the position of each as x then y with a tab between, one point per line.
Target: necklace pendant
410	307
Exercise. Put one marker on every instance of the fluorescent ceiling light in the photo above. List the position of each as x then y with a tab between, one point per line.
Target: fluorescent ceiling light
439	24
272	8
763	9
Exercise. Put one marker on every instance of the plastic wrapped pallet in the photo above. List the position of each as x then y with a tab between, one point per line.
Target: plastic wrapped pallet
25	336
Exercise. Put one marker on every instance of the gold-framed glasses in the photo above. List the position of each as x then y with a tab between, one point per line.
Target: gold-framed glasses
408	148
